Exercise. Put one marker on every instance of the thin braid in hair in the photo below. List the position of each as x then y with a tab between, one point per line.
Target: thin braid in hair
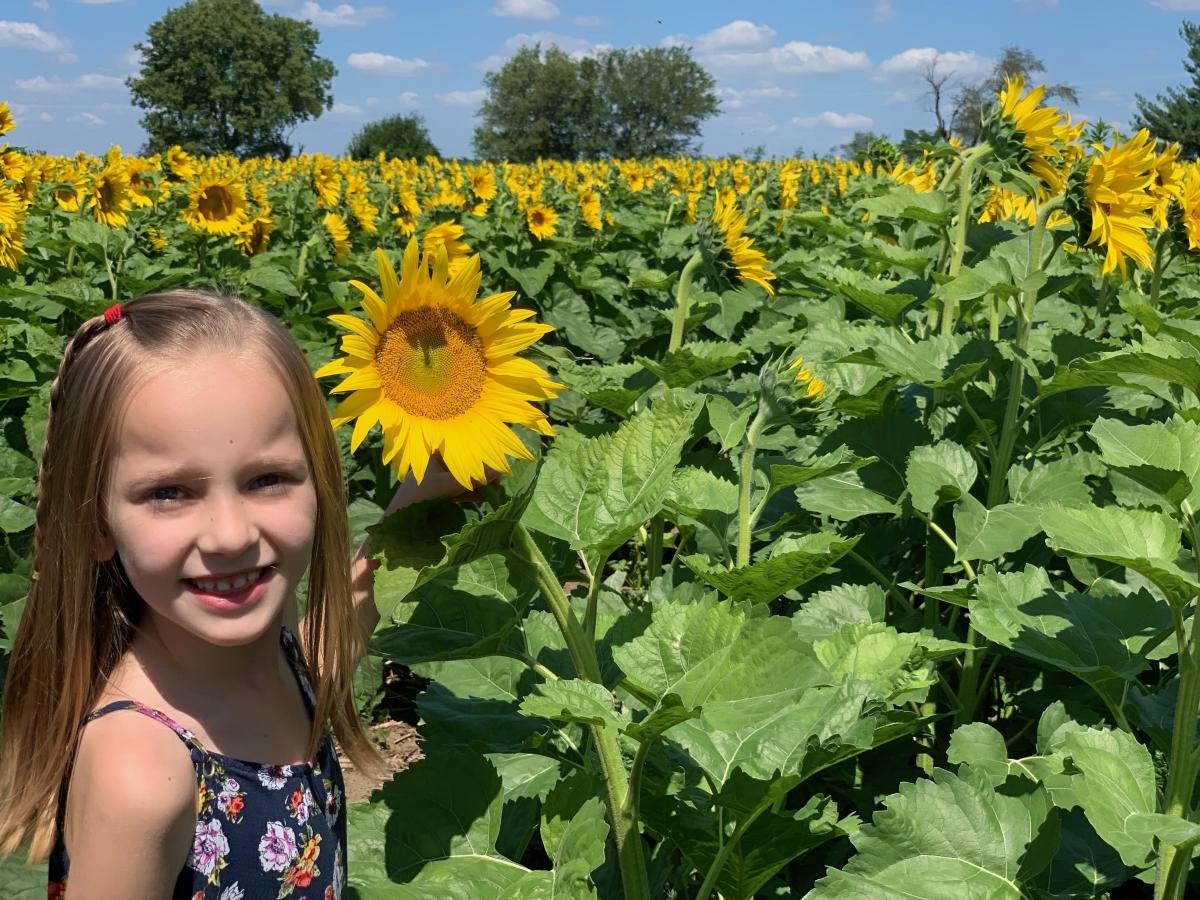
82	337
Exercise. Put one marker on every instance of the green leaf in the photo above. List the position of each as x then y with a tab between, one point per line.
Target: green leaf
1056	481
1163	456
825	612
949	836
15	517
1122	370
793	562
580	852
987	534
880	297
1101	639
461	612
1115	786
940	473
574	700
895	665
708	654
441	832
728	421
694	362
595	492
272	278
1147	542
843	497
783	476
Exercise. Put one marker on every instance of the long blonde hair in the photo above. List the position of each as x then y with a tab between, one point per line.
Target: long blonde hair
80	614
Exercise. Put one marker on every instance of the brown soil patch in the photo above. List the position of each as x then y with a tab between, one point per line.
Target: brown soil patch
397	741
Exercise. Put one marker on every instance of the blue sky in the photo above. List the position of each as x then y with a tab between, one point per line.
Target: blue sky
795	74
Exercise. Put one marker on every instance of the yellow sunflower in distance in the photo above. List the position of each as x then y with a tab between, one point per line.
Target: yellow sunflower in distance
448	235
438	370
751	264
541	220
108	198
218	205
6	120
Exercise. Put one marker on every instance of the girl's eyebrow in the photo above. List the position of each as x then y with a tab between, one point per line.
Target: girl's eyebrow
189	473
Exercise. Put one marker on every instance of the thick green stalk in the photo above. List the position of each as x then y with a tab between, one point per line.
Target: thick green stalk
1174	862
718	863
966	194
1164	240
997	481
626	830
745	484
683	298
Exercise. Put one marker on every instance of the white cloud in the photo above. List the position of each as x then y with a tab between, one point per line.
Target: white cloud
341	16
915	60
67	58
92	81
1177	5
28	36
1106	94
882	11
835	120
43	5
793	58
576	48
525	9
733	98
406	99
587	21
132	58
463	98
737	35
383	64
45	117
86	118
754	124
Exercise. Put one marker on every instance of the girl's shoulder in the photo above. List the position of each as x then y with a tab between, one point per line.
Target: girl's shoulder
132	785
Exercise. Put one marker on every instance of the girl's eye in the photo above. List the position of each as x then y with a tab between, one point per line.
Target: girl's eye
162	496
275	487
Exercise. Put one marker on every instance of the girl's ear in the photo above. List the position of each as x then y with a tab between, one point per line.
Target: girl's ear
103	547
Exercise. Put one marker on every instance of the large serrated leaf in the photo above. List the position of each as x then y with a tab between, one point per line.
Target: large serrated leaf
952	836
574	700
939	473
694	362
594	493
1163	456
1101	639
793	562
989	533
1147	542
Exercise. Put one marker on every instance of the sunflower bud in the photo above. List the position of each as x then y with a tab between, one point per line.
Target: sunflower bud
788	390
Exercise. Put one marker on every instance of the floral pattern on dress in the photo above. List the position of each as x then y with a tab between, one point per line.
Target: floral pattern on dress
261	830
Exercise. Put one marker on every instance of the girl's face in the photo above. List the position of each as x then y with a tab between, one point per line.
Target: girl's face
210	479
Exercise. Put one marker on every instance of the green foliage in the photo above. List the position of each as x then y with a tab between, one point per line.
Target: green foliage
1174	116
223	76
620	103
398	136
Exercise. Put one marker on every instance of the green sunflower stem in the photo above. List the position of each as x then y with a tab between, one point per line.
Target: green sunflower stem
622	808
966	194
1164	241
745	484
683	298
998	477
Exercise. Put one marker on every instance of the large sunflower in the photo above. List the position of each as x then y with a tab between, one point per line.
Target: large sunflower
1036	137
438	370
217	205
6	120
751	264
12	227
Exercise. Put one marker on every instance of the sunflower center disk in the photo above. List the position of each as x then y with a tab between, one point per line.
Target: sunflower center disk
215	203
431	363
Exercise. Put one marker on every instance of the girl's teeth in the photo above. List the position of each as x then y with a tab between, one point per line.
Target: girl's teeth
221	586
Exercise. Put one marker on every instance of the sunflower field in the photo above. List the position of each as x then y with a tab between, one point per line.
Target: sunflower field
848	544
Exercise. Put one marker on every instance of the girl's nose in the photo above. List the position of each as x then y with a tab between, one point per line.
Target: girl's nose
229	527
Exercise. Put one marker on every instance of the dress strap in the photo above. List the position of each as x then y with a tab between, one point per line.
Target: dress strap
291	648
185	734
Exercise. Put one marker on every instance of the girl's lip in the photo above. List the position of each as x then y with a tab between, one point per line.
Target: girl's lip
232	592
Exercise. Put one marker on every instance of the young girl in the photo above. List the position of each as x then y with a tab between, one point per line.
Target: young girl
166	725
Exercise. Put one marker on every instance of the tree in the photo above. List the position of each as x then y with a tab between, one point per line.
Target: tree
404	137
856	147
1176	115
620	103
222	76
972	101
938	83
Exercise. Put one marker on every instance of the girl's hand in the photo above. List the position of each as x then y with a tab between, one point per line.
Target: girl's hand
437	483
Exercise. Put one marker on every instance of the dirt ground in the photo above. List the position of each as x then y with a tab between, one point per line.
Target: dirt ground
398	744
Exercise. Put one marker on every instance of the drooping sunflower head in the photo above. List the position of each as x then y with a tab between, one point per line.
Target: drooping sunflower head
1110	199
255	235
180	163
7	123
438	369
1030	137
728	251
217	205
339	235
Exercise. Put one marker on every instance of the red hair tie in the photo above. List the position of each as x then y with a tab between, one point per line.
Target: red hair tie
112	314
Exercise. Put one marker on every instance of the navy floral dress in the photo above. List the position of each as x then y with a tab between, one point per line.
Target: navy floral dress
262	830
